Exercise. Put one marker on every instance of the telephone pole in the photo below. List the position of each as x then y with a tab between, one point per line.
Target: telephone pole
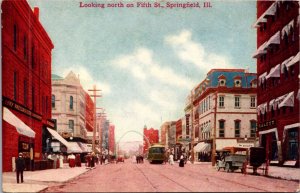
95	116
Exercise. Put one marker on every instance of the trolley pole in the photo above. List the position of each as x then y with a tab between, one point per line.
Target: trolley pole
95	116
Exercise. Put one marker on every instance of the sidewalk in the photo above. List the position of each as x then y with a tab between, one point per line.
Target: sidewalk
36	181
286	173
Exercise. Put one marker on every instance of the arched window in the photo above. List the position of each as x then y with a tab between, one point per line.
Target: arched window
71	102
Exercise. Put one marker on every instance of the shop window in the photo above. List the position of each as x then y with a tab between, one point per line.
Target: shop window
252	128
237	128
293	144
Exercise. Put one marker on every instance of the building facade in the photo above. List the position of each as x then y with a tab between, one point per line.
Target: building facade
277	57
150	137
224	110
26	81
72	110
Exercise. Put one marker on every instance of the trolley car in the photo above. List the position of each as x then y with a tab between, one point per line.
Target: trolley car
156	153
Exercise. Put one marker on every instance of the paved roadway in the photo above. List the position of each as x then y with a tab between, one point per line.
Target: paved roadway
132	177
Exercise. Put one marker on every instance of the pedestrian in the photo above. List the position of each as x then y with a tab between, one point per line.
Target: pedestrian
92	160
20	166
171	159
181	161
61	161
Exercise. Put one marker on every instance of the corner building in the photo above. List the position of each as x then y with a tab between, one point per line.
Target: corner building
26	81
277	57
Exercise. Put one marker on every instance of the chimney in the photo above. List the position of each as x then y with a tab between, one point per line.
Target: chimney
36	12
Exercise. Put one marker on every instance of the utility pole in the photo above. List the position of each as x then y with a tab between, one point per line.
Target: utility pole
95	116
213	158
192	126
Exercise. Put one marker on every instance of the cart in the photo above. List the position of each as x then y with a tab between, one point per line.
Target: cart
232	158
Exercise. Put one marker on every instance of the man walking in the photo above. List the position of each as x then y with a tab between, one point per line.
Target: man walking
20	166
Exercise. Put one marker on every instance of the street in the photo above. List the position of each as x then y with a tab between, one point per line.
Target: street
132	177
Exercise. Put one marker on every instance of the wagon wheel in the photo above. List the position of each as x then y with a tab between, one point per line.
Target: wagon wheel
227	167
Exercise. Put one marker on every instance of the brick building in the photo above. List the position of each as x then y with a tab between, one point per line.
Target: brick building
224	103
111	138
277	57
26	81
152	137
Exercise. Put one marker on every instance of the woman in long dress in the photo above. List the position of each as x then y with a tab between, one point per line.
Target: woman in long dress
171	158
181	162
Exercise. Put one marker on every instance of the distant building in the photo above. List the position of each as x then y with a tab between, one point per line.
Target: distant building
150	137
224	100
111	138
26	84
278	94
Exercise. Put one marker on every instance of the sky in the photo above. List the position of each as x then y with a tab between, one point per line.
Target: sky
147	60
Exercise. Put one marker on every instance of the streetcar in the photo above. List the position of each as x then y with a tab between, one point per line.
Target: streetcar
156	153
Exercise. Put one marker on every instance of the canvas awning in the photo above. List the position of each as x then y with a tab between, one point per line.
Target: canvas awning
294	60
58	137
288	100
262	78
260	51
206	129
275	39
272	104
284	63
274	72
287	29
270	11
202	147
21	127
262	108
75	148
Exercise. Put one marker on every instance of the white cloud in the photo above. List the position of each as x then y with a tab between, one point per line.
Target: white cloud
87	80
193	52
141	65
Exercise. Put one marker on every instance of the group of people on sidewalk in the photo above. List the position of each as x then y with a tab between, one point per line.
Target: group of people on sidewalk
170	159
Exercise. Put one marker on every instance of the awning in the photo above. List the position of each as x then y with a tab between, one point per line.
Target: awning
59	137
270	11
274	72
84	147
202	147
283	64
288	101
260	51
262	78
287	28
272	104
293	60
262	108
275	39
21	127
206	129
74	148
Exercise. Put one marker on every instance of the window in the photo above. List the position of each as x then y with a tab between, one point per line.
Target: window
237	101
252	128
221	128
237	126
71	125
55	124
15	85
32	98
286	73
15	37
221	101
272	112
53	101
71	102
293	144
237	83
32	57
252	102
25	48
222	82
25	92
